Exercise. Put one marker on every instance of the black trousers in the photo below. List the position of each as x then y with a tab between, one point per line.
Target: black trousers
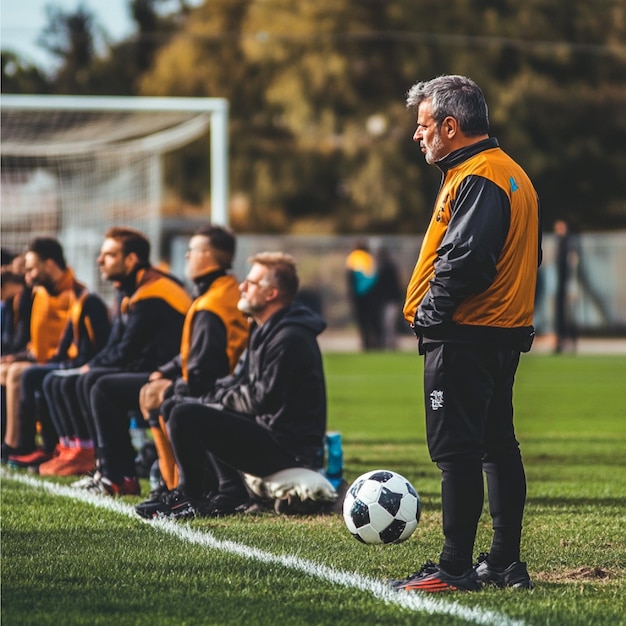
34	408
59	388
468	391
234	443
112	396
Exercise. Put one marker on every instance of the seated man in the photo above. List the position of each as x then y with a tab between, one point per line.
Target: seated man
146	332
215	334
12	287
54	293
86	332
16	304
268	417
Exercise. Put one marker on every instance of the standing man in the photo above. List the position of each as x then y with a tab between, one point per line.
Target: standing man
268	417
214	336
146	333
470	302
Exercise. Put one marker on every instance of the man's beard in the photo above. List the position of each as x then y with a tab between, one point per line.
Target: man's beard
46	283
244	306
434	153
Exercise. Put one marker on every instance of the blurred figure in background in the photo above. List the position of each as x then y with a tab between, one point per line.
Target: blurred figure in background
389	296
566	259
362	275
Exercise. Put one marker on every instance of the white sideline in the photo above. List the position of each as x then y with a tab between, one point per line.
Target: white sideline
416	602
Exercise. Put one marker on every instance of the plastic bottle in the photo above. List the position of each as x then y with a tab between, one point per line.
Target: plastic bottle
155	476
137	434
334	458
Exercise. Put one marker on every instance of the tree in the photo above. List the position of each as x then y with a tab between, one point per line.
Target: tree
320	137
21	77
70	38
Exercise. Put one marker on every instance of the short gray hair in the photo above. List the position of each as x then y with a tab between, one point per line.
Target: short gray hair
282	270
455	96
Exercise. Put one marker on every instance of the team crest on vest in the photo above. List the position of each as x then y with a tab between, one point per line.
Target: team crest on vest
514	185
436	400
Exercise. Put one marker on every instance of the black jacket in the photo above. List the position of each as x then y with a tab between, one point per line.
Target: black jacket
146	331
282	381
88	334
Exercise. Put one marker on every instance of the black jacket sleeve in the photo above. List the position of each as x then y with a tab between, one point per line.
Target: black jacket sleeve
96	314
139	330
207	355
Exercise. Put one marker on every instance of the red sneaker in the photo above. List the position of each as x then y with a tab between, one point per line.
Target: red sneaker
71	462
34	459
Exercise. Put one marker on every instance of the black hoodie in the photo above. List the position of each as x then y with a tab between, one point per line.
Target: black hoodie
282	381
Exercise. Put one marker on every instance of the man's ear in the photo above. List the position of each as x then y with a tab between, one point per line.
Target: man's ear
450	127
131	260
272	295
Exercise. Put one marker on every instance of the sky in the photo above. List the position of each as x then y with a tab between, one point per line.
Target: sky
22	21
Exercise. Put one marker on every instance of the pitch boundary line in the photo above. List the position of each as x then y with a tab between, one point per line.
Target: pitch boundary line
414	602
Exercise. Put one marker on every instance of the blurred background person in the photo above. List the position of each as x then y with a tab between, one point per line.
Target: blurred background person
567	259
389	296
361	274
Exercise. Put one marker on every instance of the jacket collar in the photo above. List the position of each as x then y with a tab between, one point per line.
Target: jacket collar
463	154
202	283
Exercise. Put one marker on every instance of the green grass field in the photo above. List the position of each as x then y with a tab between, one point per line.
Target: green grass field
92	561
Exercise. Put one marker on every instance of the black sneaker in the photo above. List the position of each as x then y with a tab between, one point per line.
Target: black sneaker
144	509
431	578
220	505
172	503
514	576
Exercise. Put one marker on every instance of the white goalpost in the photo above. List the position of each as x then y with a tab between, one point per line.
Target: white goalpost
72	166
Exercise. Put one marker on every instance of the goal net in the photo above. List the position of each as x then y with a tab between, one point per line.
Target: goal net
71	167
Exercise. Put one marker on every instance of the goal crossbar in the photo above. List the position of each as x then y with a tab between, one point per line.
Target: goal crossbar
216	108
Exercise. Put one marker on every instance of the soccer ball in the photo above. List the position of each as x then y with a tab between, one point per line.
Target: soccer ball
381	507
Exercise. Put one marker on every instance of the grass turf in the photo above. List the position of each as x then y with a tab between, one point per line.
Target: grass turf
70	563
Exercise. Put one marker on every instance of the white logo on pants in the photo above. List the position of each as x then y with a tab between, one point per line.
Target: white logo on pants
436	400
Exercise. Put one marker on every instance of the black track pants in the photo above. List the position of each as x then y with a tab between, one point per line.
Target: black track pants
234	442
468	392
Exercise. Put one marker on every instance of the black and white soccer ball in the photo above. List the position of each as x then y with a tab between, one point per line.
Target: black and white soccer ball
381	507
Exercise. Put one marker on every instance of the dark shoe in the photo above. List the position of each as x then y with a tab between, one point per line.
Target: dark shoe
7	451
220	505
153	503
173	503
514	576
431	578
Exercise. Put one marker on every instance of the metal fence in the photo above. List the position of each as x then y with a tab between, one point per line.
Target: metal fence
596	289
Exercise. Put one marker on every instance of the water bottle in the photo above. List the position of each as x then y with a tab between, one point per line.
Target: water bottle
334	459
137	433
155	476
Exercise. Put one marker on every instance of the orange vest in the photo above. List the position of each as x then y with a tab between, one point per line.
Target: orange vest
220	298
49	315
75	313
152	283
508	302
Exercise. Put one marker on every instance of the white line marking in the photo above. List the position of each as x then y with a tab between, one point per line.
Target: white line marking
416	602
